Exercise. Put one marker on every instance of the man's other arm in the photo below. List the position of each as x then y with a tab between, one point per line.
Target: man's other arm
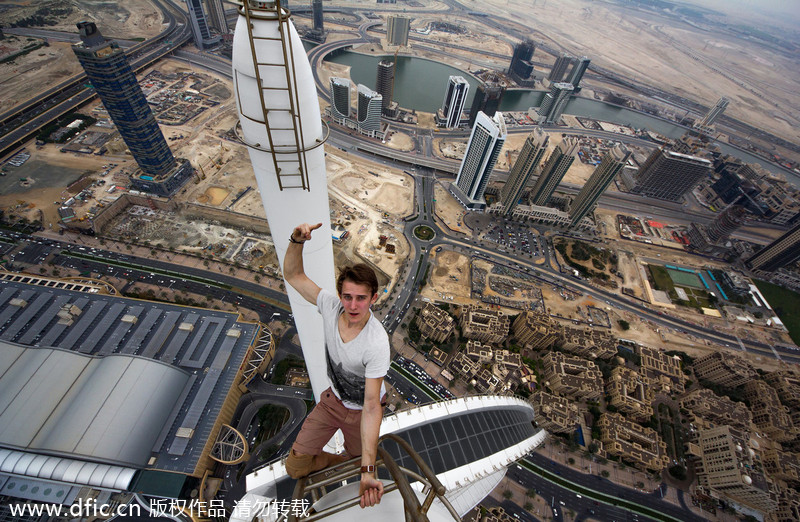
371	489
293	270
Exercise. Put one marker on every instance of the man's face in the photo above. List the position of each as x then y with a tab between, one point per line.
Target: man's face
356	299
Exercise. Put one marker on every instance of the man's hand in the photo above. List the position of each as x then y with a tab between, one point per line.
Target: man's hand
370	489
303	232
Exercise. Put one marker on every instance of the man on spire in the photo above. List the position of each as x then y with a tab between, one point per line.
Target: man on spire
357	353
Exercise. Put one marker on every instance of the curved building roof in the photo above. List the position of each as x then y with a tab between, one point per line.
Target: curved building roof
467	442
109	409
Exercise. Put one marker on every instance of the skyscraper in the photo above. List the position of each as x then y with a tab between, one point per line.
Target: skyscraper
715	111
720	229
397	30
560	67
555	167
487	99
340	99
369	111
216	16
200	31
454	99
554	102
521	66
485	142
384	83
111	75
601	178
529	157
578	69
783	251
669	175
318	14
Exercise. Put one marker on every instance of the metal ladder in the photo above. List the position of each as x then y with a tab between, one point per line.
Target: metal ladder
289	160
314	485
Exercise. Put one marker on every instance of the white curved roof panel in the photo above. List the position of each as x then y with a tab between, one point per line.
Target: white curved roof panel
107	409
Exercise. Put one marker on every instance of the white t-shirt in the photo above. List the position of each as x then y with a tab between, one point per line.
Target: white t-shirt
349	364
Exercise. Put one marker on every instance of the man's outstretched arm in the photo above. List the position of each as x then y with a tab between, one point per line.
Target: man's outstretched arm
293	270
371	489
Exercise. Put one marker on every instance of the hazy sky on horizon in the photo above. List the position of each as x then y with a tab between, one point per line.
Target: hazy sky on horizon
781	12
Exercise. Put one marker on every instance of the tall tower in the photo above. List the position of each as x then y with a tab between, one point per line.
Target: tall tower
216	16
521	66
734	216
197	18
111	75
578	69
397	30
601	178
715	111
669	175
553	172
783	251
529	157
384	83
340	99
318	15
487	99
554	102
454	99
281	126
485	142
369	111
560	67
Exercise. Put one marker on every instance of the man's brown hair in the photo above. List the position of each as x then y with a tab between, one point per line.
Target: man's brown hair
361	274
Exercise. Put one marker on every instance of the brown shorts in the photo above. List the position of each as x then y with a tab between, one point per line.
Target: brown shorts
323	421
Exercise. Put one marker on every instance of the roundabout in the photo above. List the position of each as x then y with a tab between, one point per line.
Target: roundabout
424	233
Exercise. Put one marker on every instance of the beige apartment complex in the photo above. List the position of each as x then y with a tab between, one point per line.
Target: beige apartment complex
434	323
478	352
589	343
483	324
473	373
787	384
572	376
708	410
664	371
771	417
630	393
726	467
553	413
626	439
725	369
537	331
779	464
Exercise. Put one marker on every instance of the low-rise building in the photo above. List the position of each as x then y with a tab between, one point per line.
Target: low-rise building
483	324
664	371
630	393
708	410
553	413
788	509
625	439
725	467
771	417
787	384
479	352
779	464
434	323
589	343
462	366
509	360
725	369
572	376
536	330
